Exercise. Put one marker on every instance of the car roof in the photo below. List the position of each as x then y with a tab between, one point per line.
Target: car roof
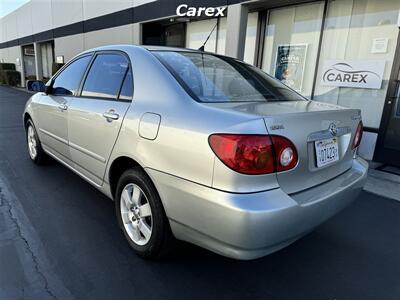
166	48
147	47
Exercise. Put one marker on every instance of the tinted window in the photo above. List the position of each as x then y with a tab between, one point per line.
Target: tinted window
67	82
105	76
127	87
211	78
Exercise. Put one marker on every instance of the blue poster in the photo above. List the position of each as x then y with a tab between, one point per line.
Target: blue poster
290	61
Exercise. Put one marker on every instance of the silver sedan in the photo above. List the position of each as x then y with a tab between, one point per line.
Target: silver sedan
197	147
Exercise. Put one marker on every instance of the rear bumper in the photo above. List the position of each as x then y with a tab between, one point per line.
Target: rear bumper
248	226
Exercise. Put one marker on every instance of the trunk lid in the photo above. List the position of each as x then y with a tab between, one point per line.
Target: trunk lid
304	123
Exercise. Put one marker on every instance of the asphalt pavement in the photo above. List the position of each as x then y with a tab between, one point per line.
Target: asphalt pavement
59	239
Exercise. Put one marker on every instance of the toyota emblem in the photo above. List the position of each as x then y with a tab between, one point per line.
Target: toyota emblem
333	129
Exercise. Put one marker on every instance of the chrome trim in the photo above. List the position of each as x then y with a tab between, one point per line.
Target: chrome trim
54	136
111	115
326	134
88	152
63	106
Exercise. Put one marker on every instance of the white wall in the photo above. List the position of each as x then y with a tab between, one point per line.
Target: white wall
13	53
96	8
221	36
367	146
197	32
24	20
251	34
116	35
9	55
11	26
41	15
3	55
66	12
2	30
81	42
63	46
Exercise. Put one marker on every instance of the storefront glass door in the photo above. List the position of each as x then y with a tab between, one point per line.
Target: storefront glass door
291	44
359	35
388	144
340	52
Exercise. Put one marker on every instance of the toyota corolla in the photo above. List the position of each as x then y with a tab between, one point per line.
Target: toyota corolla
197	147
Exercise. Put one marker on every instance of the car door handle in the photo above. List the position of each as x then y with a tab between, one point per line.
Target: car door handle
63	106
111	115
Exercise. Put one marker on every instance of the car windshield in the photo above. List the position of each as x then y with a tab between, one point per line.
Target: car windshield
213	78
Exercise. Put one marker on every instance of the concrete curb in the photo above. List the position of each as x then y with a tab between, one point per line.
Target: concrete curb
383	184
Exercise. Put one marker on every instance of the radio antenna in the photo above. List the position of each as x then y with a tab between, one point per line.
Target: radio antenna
212	30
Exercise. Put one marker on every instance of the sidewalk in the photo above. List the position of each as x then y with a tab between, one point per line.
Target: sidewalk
383	181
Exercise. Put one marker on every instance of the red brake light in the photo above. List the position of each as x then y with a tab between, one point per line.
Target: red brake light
254	154
358	135
247	154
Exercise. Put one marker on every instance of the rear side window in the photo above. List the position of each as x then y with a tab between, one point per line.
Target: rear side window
105	76
126	93
67	82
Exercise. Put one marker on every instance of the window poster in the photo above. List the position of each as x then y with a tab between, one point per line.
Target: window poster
290	62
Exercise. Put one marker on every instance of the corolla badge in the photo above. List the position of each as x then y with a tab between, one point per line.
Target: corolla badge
333	129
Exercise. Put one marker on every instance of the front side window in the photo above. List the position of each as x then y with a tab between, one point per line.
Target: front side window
211	78
67	82
105	76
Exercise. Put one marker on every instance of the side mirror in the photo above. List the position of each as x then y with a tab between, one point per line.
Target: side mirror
48	88
35	86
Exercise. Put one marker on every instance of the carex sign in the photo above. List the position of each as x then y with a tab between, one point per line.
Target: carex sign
185	10
366	74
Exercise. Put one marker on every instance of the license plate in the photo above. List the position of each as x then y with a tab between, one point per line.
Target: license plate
327	151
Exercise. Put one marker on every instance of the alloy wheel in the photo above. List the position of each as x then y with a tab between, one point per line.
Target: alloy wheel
32	143
136	214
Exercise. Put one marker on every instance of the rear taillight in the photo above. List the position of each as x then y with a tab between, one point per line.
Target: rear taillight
254	154
247	154
286	154
358	135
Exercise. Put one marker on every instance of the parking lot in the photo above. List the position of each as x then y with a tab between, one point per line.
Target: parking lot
59	239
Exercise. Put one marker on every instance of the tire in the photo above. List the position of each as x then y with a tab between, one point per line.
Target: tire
141	215
35	150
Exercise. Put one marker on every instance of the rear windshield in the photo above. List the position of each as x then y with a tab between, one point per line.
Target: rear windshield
212	78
